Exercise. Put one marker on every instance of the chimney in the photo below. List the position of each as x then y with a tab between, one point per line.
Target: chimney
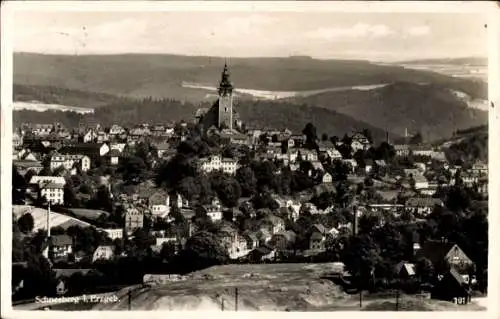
48	222
355	221
45	251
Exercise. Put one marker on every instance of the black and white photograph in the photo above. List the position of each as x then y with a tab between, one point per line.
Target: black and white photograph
243	157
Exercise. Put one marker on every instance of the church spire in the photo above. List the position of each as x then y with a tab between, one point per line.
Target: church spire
225	86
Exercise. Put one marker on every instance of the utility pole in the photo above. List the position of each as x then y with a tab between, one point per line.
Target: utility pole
222	304
236	299
129	300
397	300
360	298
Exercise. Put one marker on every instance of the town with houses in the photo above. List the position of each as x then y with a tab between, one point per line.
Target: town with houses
212	188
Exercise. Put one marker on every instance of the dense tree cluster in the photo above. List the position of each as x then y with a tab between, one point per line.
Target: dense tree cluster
372	254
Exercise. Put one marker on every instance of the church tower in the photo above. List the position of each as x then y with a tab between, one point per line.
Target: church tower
225	119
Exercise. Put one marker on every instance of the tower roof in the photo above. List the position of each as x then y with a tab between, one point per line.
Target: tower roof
225	86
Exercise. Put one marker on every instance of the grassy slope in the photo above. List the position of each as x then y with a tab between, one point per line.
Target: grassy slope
432	109
162	75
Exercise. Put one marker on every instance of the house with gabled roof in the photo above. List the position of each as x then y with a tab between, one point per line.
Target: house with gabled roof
113	157
283	240
317	237
116	130
262	253
159	203
359	142
251	239
103	252
134	219
452	287
368	165
273	224
327	178
405	269
60	246
479	168
263	235
162	148
442	252
24	166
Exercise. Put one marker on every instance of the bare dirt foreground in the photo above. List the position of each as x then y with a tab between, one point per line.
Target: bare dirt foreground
271	287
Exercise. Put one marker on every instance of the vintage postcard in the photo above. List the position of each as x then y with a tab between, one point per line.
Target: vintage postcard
247	156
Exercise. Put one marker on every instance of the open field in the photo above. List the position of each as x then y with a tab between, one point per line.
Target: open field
265	287
40	218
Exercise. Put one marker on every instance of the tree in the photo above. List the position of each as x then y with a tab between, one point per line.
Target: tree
102	199
248	182
142	240
345	150
70	197
457	199
145	152
265	174
229	192
176	214
18	249
324	200
57	230
167	251
385	151
39	279
360	157
346	139
425	270
368	134
26	223
203	250
133	170
59	171
392	247
416	139
264	200
18	187
324	137
362	257
311	136
170	173
284	147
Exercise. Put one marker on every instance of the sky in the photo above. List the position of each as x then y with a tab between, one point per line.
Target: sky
325	35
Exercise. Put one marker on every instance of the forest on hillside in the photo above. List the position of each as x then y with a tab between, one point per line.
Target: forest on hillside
159	76
259	114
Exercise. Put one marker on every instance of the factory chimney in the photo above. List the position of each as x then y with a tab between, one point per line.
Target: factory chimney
355	221
45	251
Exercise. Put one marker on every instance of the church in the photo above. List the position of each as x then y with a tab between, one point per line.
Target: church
221	116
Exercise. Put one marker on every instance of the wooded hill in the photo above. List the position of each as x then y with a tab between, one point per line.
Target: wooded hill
430	109
161	76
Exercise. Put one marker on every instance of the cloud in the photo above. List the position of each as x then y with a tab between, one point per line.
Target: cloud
358	30
418	31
